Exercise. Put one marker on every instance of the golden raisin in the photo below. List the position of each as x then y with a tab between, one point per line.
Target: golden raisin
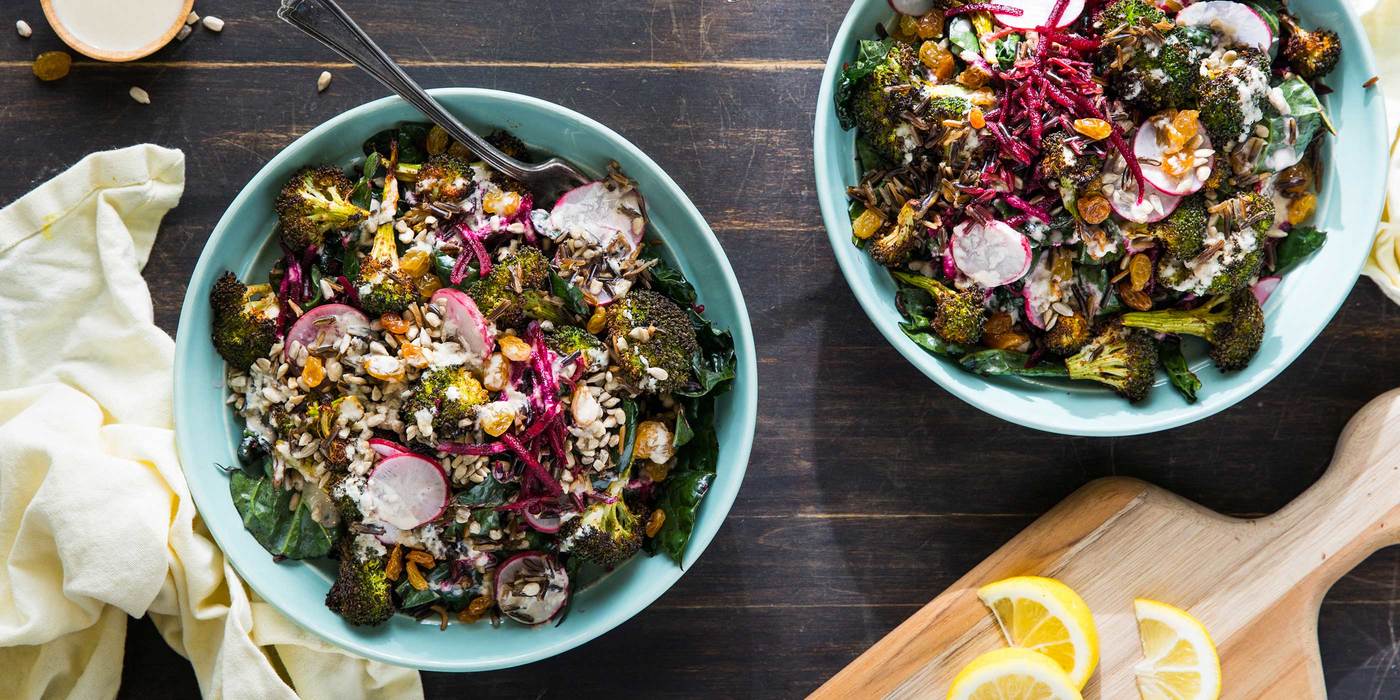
1301	208
393	323
597	321
394	568
906	29
656	472
415	263
479	605
437	140
502	202
998	323
938	60
930	25
457	150
415	577
427	284
1139	271
1010	340
515	349
495	422
421	558
658	517
1094	209
1133	298
313	372
1095	129
52	65
1185	126
867	224
975	118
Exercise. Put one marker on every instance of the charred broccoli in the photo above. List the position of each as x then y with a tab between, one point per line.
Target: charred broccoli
509	144
444	178
1059	160
1230	98
894	247
949	107
312	203
567	340
1184	232
500	295
245	320
658	355
382	285
1233	324
445	397
1258	212
1128	13
1119	357
1311	54
606	533
958	316
1069	335
883	95
362	592
1164	76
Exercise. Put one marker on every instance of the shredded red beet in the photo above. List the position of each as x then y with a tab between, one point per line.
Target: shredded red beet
1027	207
992	7
472	449
532	464
474	247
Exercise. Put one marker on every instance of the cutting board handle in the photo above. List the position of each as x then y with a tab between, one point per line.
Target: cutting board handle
1354	509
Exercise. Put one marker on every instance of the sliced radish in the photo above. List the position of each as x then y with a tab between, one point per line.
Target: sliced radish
1148	150
990	254
1036	291
461	318
1237	22
1155	205
406	491
1265	287
1036	13
911	7
544	600
546	523
325	325
387	448
602	210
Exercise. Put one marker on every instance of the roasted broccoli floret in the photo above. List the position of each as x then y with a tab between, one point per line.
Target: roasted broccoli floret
607	533
245	320
1230	99
1258	212
312	203
567	340
1164	76
958	316
507	143
1233	324
898	242
382	285
501	294
1184	232
1119	357
949	107
1236	274
1128	13
444	178
884	94
446	397
1059	160
658	356
1069	335
1311	54
361	593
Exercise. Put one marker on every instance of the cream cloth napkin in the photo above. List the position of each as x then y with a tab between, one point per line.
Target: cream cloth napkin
96	522
1382	21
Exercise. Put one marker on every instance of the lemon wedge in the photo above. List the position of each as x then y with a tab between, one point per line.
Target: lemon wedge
1179	658
1013	674
1046	616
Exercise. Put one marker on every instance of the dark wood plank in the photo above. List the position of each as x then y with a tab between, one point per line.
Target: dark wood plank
870	489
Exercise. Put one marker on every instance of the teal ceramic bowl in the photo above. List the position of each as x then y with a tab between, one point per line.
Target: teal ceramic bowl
207	432
1349	208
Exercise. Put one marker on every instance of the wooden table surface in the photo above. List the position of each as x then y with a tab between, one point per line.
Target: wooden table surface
870	489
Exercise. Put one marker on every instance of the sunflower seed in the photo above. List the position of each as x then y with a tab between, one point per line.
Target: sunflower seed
323	81
184	34
23	28
139	95
191	18
213	24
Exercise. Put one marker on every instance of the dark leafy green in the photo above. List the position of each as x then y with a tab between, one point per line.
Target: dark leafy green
683	490
268	516
715	364
669	281
869	54
572	296
1300	242
1005	50
629	436
1180	374
996	363
684	433
488	493
412	139
364	187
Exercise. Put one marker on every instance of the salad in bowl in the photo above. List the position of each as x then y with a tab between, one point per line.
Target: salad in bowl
1065	190
475	403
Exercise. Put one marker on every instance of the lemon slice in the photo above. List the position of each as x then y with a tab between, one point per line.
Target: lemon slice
1179	658
1013	674
1046	616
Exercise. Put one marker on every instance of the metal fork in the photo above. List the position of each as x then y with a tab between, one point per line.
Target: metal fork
328	24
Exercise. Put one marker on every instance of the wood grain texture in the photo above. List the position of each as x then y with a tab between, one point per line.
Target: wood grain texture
870	489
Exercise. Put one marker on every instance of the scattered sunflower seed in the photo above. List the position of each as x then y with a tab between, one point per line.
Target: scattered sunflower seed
185	32
139	95
191	18
213	24
323	81
25	31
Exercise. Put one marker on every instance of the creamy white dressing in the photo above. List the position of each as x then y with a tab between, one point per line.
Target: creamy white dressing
118	25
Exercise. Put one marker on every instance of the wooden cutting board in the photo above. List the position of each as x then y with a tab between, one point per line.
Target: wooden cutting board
1255	584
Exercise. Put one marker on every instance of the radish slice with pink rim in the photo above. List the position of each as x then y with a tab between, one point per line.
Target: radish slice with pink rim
1237	22
1035	13
1148	149
546	523
405	491
911	7
527	605
1264	288
602	210
328	323
990	254
1122	196
1036	291
387	448
463	320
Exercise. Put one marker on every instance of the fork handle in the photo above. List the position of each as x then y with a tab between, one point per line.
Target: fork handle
327	23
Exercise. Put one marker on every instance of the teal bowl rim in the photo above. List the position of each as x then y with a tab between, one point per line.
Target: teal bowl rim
1005	398
252	562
